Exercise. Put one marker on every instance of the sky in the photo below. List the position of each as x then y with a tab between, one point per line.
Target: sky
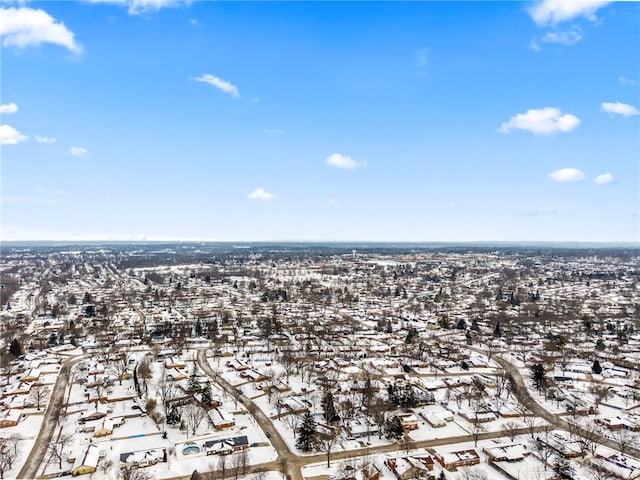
320	121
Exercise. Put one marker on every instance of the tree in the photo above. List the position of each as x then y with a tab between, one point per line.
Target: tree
539	376
8	454
119	366
57	447
195	475
192	416
511	429
144	372
207	397
327	443
600	394
39	393
194	385
625	440
393	428
15	348
596	368
307	438
329	407
563	468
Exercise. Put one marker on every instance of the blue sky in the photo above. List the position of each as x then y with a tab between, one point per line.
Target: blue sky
420	121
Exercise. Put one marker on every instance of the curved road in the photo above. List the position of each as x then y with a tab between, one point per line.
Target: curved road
56	403
521	392
294	463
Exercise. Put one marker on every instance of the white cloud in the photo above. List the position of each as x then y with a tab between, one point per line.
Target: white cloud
603	178
544	121
540	211
626	81
333	201
23	27
262	195
141	7
8	108
78	151
553	12
619	109
569	37
10	136
275	131
220	84
342	161
40	139
567	175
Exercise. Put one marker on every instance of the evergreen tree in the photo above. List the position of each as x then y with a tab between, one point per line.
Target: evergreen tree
497	331
596	368
53	339
194	385
206	395
393	428
196	475
563	468
198	328
307	438
442	476
538	375
173	418
329	407
15	348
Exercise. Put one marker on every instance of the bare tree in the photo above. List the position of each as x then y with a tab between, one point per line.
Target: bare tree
596	472
193	416
282	466
119	366
600	394
327	443
8	455
135	473
293	421
144	372
511	429
58	446
625	440
100	386
591	435
530	420
238	463
222	466
471	474
39	393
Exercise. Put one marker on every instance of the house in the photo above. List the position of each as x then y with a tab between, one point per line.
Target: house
143	458
105	428
220	419
616	463
461	458
413	466
294	405
505	452
409	421
226	446
361	427
97	415
87	461
560	443
434	419
370	471
9	418
32	375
